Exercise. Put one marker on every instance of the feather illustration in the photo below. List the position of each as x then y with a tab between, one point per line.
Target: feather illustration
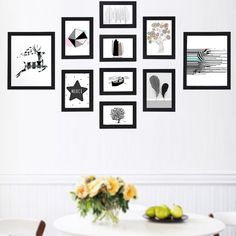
155	83
164	89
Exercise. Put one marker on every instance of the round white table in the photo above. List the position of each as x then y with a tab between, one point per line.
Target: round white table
133	224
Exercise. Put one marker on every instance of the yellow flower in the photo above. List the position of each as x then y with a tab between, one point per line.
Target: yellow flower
87	179
129	192
95	186
81	191
113	186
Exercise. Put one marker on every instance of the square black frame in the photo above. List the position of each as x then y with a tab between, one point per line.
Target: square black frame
145	71
63	73
52	35
134	9
228	35
101	77
117	36
145	19
133	126
63	21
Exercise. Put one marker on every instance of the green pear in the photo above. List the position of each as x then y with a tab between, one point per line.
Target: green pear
150	212
162	212
166	207
176	212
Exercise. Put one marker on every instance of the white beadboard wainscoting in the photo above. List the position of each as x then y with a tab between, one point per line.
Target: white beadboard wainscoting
47	196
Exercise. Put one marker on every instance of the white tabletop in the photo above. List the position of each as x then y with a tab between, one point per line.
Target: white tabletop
133	224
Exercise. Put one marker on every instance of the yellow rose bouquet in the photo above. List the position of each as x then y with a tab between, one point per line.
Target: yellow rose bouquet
104	197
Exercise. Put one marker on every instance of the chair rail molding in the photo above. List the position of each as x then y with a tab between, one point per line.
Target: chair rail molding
139	179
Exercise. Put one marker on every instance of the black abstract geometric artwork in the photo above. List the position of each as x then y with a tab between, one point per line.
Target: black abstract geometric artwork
76	91
117	48
33	59
78	37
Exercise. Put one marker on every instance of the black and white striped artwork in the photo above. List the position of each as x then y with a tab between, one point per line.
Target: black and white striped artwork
207	60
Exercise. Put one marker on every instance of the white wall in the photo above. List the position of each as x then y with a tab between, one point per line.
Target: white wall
37	138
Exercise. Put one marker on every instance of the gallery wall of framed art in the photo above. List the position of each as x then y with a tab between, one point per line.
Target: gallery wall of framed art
171	154
206	62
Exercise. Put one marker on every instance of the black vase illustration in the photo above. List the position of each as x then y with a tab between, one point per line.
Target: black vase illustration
117	48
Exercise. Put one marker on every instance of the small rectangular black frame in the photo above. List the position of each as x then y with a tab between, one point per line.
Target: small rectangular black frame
63	73
145	71
101	77
133	126
63	51
145	19
132	3
133	37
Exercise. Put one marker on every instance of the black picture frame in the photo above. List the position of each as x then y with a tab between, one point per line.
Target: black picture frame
215	87
145	108
169	18
122	126
134	14
63	73
9	65
91	37
101	78
102	58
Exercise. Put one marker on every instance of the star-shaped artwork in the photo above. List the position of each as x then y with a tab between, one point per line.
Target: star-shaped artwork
76	91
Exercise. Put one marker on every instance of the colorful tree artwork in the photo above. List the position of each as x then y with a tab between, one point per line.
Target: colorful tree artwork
159	34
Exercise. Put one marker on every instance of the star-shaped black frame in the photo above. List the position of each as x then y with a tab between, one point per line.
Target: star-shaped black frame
64	89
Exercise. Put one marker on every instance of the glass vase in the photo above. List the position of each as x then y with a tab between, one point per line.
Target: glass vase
108	216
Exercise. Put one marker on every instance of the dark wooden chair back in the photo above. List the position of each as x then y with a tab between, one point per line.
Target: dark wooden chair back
41	228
